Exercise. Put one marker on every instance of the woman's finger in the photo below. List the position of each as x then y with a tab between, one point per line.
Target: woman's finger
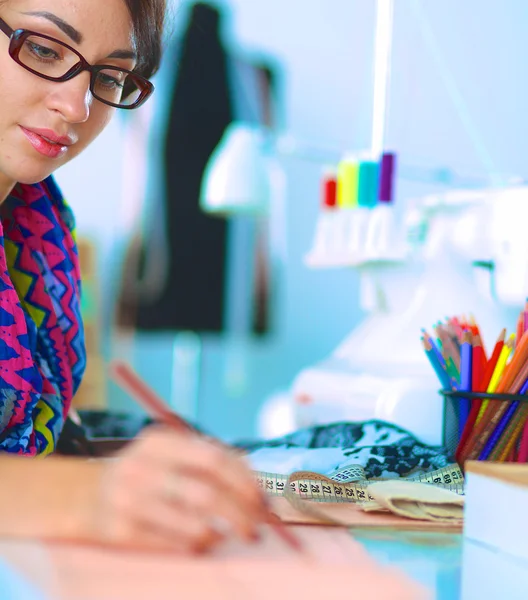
198	495
131	507
222	469
191	491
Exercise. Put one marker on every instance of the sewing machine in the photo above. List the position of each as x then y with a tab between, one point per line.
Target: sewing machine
462	252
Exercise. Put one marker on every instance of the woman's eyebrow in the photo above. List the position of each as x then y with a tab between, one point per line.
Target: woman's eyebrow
123	54
66	28
76	35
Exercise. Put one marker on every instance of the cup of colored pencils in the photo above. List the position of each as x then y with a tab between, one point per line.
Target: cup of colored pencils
486	416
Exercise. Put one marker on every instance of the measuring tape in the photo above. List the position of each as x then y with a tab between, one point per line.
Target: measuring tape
303	489
349	484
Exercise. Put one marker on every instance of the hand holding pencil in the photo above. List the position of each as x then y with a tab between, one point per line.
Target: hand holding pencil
190	492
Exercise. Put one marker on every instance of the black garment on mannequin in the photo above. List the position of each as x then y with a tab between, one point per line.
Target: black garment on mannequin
194	292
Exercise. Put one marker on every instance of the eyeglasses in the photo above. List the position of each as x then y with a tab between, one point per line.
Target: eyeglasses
50	59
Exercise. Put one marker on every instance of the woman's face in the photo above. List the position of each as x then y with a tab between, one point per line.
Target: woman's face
32	107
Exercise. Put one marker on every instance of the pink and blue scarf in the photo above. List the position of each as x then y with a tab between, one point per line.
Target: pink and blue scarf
42	353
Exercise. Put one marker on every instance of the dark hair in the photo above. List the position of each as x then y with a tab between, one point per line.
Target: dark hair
148	19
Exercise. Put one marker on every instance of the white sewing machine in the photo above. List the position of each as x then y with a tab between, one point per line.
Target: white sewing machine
465	253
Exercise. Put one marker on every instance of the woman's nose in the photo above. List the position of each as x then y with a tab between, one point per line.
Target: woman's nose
72	99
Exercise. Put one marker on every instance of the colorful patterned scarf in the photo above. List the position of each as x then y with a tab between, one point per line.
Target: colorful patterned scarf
42	353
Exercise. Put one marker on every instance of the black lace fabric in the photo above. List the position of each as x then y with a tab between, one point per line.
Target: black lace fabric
381	448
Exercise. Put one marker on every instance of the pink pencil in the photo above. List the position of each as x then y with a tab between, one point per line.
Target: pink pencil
523	448
132	383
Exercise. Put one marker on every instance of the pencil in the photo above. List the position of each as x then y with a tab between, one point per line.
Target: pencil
438	367
466	359
453	333
130	381
475	330
495	437
455	323
450	346
492	362
433	346
498	372
478	363
520	327
523	448
514	427
495	409
477	380
453	372
146	397
509	438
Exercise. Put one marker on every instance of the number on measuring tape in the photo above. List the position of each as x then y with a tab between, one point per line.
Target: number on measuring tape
339	488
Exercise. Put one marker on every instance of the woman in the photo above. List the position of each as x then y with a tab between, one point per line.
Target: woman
65	67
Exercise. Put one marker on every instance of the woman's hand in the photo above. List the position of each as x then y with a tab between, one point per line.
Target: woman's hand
177	492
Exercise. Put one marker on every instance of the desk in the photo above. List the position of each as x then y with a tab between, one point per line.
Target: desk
336	564
433	559
449	567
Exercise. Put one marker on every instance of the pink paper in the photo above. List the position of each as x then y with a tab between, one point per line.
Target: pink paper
333	563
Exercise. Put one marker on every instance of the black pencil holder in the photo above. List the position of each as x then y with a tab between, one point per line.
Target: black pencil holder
452	398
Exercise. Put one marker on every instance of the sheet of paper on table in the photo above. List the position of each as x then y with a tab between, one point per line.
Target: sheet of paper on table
333	563
16	586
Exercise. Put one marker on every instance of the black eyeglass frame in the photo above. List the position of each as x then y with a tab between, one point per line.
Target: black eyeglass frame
18	37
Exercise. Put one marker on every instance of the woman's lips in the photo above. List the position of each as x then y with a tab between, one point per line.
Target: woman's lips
50	145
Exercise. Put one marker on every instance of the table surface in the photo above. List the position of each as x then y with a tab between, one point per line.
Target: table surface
332	559
432	559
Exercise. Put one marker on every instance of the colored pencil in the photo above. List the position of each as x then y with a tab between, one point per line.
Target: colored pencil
489	429
477	381
466	358
453	372
450	347
495	409
496	435
523	448
510	436
520	327
434	348
498	373
475	330
478	363
438	367
455	324
492	362
449	343
514	427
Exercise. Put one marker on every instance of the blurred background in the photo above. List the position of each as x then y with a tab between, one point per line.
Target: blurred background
219	312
